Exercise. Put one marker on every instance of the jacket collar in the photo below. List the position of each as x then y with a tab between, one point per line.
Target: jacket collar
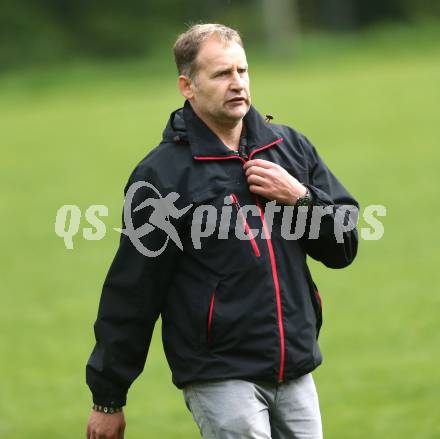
204	143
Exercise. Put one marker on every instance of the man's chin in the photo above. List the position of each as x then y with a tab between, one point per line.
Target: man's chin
237	113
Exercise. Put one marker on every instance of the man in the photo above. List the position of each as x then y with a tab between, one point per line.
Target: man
240	317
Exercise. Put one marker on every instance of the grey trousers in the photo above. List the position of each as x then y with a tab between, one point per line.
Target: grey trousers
238	409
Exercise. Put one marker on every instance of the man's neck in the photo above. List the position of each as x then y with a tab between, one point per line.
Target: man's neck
228	134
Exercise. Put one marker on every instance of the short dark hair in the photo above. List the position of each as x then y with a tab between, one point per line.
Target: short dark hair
187	45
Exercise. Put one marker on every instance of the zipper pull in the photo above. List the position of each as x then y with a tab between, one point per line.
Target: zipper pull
242	152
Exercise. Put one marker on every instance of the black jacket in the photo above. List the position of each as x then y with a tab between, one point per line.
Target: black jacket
232	308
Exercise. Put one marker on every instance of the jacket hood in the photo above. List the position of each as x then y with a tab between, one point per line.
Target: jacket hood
185	127
175	130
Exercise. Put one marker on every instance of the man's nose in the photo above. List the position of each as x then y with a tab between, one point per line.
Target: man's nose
237	82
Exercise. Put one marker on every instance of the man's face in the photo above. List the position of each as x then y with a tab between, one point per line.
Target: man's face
220	89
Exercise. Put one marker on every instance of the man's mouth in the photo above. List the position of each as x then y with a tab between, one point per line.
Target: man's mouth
237	100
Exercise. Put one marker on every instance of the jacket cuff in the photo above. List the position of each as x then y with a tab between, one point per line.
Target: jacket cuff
110	401
320	198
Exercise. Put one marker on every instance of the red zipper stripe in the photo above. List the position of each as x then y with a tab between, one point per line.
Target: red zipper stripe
277	292
271	254
229	157
264	147
198	157
247	230
210	313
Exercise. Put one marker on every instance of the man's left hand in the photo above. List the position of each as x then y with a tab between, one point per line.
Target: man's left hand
273	182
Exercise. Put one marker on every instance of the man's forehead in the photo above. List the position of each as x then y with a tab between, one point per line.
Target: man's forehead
214	54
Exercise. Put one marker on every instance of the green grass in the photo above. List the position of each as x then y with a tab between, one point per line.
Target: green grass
72	134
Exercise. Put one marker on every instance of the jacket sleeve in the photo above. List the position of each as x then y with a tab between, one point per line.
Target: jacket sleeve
131	300
331	239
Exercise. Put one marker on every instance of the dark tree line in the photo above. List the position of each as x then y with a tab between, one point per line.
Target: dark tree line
343	15
33	31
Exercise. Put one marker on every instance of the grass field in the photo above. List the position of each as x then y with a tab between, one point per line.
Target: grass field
72	134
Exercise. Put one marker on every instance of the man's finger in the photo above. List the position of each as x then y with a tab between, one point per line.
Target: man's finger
258	170
259	190
256	180
259	162
89	433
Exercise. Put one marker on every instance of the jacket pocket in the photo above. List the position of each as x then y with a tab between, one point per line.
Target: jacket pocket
316	299
210	317
317	305
246	227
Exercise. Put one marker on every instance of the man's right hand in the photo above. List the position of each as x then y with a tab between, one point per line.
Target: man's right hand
106	426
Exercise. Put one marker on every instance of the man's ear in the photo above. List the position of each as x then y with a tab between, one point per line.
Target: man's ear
185	85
